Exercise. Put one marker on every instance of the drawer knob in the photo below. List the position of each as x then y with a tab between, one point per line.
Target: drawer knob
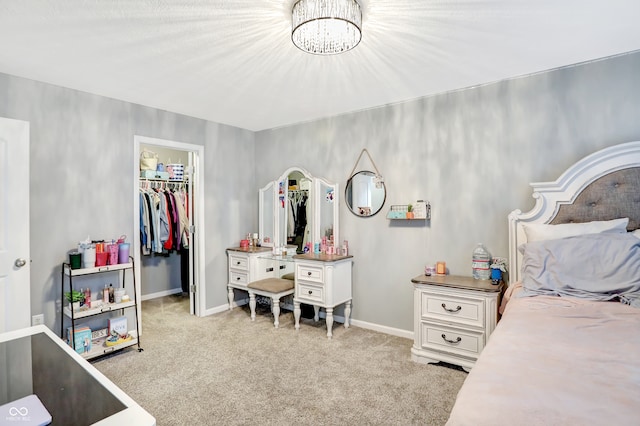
309	273
310	292
457	309
237	278
453	342
238	262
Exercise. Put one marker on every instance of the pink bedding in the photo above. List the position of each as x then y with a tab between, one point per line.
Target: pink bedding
556	361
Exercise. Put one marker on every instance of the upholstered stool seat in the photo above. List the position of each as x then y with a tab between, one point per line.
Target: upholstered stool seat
274	288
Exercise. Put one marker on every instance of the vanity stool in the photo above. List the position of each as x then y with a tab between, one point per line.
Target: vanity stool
274	288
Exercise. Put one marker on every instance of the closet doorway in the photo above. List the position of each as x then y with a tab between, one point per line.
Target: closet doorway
178	269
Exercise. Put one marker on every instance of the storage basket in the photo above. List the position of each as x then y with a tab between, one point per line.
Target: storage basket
176	171
148	160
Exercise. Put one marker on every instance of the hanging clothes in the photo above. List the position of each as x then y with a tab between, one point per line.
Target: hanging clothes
163	219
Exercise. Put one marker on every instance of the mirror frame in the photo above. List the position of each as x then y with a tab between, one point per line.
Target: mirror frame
348	187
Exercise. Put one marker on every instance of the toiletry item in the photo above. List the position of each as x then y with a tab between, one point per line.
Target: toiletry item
430	269
82	299
441	268
119	293
87	297
105	294
112	296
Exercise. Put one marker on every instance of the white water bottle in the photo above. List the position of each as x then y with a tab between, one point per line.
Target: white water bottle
481	262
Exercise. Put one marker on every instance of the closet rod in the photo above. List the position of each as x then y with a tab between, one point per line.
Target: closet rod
161	184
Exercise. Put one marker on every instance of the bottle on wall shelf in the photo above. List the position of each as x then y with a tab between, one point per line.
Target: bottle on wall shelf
481	262
105	294
112	296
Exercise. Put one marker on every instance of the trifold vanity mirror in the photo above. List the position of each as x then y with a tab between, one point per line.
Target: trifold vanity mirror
297	209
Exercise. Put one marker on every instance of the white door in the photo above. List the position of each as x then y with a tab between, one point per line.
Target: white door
193	178
15	290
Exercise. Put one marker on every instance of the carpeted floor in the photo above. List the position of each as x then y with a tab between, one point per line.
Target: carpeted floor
225	369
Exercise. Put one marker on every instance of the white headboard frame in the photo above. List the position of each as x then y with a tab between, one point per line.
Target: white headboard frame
550	196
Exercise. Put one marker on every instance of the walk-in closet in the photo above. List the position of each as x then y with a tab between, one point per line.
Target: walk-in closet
167	244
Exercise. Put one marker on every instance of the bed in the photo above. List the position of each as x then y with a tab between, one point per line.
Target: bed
567	348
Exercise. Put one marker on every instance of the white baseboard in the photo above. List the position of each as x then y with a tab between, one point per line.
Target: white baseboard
407	334
161	294
383	329
225	307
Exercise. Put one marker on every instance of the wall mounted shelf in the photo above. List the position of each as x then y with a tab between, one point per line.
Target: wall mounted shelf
421	211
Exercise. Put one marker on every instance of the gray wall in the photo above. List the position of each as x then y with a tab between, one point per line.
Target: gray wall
82	174
471	153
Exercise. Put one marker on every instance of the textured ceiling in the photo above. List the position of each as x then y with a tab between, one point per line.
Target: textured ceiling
232	61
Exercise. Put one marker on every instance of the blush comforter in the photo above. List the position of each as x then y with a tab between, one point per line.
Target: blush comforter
556	361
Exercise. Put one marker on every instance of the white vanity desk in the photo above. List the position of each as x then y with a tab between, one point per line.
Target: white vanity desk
321	280
324	281
245	266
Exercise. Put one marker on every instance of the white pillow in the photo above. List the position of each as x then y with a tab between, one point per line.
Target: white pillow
636	233
540	232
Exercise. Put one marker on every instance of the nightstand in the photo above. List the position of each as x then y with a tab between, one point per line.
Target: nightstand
453	318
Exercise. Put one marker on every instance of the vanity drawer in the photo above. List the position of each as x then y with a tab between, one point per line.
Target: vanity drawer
238	262
310	273
453	340
238	278
310	293
453	309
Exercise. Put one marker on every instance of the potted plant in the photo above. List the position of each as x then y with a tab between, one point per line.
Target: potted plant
410	214
498	267
74	298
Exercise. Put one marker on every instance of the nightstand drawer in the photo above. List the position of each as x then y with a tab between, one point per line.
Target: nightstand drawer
310	293
310	273
238	278
452	340
238	262
453	309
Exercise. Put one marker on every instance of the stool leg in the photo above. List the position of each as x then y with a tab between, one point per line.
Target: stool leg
275	308
252	305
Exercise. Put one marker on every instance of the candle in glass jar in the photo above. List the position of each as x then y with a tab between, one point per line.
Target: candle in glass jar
441	268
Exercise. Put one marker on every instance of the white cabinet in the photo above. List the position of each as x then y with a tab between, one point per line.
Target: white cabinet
252	264
323	281
100	345
453	318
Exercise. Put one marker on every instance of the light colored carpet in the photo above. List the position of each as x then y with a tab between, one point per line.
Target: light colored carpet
225	369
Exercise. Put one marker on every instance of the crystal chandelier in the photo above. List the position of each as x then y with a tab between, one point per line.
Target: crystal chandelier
326	27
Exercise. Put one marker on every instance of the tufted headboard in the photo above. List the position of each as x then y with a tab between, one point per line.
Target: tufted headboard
602	186
610	197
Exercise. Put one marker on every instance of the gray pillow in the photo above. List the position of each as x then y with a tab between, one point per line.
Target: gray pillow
592	266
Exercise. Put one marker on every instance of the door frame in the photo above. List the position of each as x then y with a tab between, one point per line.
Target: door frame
15	298
198	217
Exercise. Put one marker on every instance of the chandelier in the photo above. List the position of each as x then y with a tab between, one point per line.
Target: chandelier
326	27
